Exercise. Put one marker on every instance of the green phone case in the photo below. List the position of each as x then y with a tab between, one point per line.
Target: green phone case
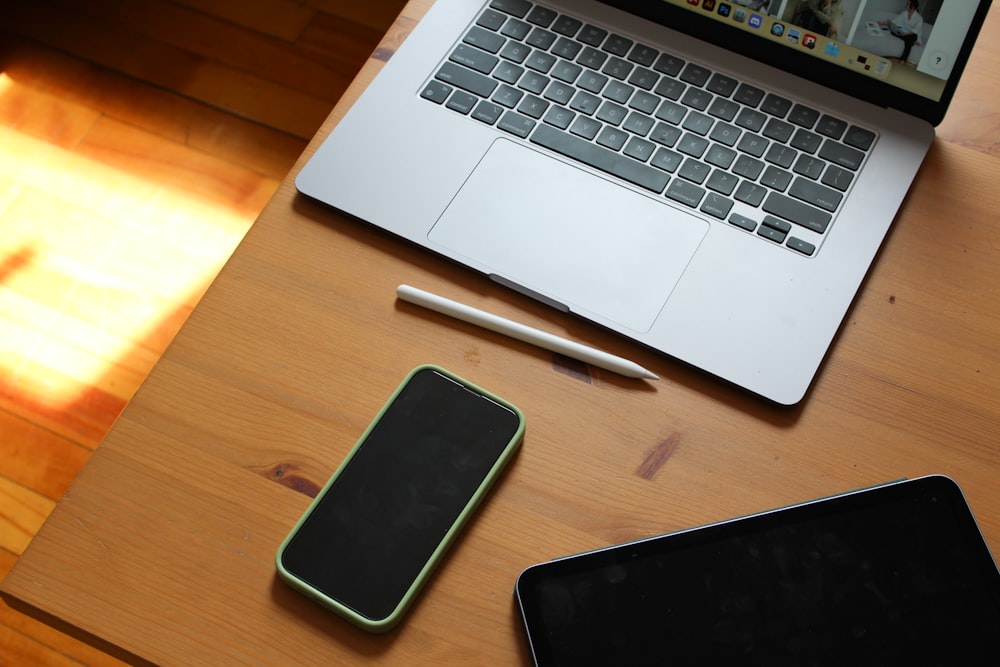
385	624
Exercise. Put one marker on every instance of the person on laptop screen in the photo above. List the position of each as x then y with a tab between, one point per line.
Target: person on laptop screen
907	27
821	16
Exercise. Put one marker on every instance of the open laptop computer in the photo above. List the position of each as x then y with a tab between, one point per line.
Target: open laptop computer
711	179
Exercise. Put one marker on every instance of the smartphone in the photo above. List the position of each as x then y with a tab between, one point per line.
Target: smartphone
369	541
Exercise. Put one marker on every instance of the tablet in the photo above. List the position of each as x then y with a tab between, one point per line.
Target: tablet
881	576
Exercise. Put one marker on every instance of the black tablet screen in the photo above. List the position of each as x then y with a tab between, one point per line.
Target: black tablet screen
871	578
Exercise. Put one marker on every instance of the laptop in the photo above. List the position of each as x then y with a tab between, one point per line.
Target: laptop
709	179
894	575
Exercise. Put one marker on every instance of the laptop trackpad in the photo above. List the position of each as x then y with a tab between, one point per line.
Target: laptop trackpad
581	240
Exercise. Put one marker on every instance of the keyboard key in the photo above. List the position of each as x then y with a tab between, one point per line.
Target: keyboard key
839	154
566	71
487	112
751	193
783	156
540	62
667	160
795	211
612	137
518	8
806	141
753	144
685	193
592	58
584	102
776	179
600	158
838	178
466	79
694	171
612	113
644	78
585	127
671	112
559	117
803	116
638	123
644	102
540	38
533	82
462	102
484	39
776	105
725	134
491	20
665	135
722	182
668	64
809	166
516	124
692	145
618	68
697	98
716	205
743	222
564	25
507	96
724	109
775	223
559	93
771	233
816	194
643	55
695	74
748	167
592	81
508	72
720	156
515	29
567	48
804	247
533	107
698	123
859	138
435	91
640	149
618	91
592	35
515	52
722	85
831	127
778	130
541	16
672	89
748	95
617	45
751	120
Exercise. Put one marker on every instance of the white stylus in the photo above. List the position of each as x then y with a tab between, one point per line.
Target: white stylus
523	333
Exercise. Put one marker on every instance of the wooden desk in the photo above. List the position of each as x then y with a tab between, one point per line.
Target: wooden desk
163	549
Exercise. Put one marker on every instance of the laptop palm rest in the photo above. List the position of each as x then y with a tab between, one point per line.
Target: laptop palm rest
570	236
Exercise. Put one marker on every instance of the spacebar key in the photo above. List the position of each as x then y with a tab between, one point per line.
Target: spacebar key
601	158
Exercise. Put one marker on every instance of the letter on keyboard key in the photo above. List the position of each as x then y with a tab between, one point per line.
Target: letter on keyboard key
601	158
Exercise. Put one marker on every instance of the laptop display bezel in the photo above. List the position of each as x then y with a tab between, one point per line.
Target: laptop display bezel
858	85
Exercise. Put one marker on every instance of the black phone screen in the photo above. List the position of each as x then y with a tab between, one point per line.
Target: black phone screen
395	499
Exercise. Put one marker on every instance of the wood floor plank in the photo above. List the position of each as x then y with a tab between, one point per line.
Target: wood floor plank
22	512
284	19
38	459
376	14
28	69
170	67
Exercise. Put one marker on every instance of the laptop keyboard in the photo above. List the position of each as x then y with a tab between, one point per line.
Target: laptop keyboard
763	163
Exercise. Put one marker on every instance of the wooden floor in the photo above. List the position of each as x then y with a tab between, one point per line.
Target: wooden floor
139	139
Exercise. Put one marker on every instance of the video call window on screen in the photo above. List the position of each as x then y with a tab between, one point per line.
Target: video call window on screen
912	44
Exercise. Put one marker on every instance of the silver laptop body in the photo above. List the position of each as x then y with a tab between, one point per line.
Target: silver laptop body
730	288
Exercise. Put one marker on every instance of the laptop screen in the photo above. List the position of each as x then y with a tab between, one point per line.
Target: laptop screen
902	53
